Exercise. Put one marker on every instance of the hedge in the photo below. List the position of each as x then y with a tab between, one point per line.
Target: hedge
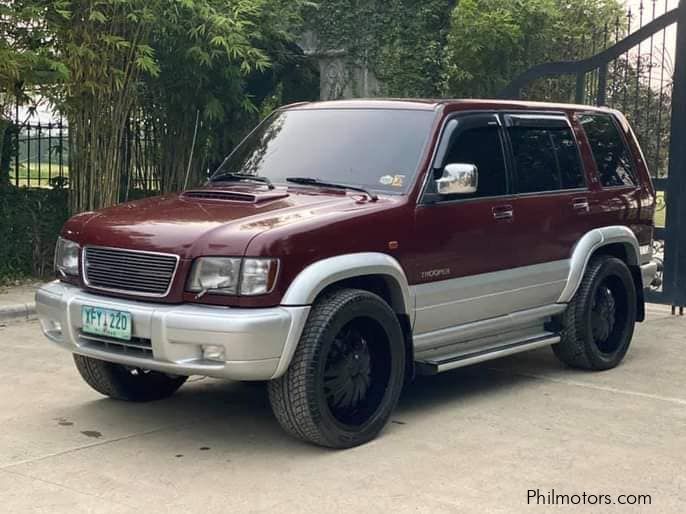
30	220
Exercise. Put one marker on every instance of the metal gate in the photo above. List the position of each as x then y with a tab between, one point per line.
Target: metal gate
630	67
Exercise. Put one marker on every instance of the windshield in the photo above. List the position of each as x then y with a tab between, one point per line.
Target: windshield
372	148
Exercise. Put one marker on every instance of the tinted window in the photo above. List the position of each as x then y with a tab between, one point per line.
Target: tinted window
379	149
567	151
546	159
481	147
611	154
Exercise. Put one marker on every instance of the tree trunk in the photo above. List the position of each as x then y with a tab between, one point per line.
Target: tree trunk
98	128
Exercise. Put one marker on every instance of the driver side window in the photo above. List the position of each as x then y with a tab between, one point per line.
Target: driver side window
481	146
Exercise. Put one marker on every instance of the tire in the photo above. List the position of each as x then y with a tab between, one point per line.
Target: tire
126	383
597	327
346	374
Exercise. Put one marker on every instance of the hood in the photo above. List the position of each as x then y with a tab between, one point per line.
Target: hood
209	221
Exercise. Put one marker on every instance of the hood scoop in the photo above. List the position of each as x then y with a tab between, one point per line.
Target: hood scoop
232	196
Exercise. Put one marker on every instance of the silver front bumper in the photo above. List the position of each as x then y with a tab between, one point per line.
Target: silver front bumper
648	272
258	343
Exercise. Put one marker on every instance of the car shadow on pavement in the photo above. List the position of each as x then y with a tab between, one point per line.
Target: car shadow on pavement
472	383
224	416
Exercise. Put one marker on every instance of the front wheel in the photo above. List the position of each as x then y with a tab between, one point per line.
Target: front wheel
346	374
125	382
598	324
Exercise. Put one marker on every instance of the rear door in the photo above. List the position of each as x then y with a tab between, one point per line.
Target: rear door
552	199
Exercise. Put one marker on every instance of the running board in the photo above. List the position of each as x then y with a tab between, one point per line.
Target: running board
434	366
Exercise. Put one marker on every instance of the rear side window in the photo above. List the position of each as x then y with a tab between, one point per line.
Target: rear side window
546	159
611	154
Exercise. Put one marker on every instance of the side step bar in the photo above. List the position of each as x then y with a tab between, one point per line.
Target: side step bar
434	366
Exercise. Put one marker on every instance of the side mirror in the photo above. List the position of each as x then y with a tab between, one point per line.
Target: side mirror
458	179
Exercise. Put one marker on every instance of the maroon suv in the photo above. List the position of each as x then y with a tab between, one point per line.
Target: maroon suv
345	246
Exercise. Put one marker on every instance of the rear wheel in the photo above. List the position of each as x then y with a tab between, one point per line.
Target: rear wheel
598	325
126	382
347	372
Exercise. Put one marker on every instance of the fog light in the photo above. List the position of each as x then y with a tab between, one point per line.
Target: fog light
213	353
52	329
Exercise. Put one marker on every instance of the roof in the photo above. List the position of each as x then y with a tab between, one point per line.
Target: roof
433	104
372	103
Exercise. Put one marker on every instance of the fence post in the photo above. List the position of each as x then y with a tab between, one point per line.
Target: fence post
580	96
16	142
602	85
675	244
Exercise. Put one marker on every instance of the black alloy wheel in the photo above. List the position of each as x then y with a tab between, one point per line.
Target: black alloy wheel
598	324
347	372
604	317
356	372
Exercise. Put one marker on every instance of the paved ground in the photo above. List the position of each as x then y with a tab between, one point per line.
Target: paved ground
17	302
473	440
22	294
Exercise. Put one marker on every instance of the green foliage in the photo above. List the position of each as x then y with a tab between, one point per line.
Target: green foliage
104	44
648	109
170	63
27	59
410	57
220	61
470	48
402	41
31	221
492	41
7	150
174	64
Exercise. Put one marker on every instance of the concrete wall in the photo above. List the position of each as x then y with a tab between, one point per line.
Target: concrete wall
338	77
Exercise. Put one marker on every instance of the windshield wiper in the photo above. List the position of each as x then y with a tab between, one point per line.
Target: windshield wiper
241	176
308	181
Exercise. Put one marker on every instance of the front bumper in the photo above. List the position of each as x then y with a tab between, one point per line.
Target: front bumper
258	343
648	272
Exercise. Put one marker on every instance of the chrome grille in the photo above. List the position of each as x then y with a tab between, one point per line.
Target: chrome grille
128	271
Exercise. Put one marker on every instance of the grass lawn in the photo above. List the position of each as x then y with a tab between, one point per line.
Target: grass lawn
661	213
43	169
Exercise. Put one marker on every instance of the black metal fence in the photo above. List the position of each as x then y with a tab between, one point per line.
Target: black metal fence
42	151
627	64
42	155
141	158
637	64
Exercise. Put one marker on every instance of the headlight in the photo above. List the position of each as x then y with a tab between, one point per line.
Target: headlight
215	274
67	257
233	276
258	276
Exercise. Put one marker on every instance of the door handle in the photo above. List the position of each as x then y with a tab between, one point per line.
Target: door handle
581	204
503	213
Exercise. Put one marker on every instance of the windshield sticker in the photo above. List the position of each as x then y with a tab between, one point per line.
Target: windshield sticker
398	181
386	180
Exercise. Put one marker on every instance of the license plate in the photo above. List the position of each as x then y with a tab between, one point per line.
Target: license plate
106	322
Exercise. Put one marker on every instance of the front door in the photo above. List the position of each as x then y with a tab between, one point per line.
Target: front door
463	245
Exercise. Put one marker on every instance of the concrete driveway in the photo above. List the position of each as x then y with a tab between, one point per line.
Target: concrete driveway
473	440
